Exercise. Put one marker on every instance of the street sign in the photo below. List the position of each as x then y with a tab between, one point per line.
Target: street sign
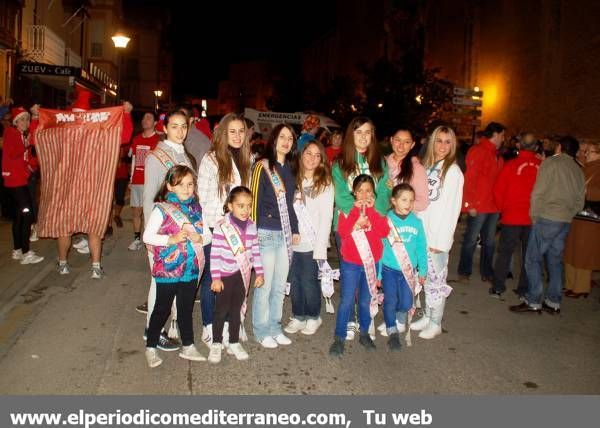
466	102
467	112
466	92
466	121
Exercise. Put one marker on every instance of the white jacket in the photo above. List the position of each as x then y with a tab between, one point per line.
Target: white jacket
320	212
208	189
445	200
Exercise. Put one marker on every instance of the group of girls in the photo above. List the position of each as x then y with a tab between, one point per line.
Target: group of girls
275	217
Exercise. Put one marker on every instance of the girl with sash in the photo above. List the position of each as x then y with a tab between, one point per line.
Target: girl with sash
224	167
445	181
234	253
166	154
174	235
405	168
361	232
273	187
314	209
360	155
404	252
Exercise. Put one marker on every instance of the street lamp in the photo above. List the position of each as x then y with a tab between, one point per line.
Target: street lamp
120	41
157	95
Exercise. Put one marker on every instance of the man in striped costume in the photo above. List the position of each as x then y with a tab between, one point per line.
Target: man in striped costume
78	152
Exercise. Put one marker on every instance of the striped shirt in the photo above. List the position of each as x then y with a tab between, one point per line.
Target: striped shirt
222	260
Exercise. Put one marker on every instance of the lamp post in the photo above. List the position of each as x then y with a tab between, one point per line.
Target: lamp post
120	41
157	95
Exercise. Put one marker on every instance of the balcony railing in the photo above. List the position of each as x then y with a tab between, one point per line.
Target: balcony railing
43	45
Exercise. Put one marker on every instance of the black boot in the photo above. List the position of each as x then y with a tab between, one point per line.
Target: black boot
337	347
366	341
394	342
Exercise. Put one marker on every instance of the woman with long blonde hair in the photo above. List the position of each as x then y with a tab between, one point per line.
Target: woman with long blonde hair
225	166
445	181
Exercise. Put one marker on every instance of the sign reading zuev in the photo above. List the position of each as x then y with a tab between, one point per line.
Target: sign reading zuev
47	69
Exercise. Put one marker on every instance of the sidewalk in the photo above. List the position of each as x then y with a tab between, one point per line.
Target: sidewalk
74	335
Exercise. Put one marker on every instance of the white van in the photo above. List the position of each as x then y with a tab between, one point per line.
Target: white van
265	121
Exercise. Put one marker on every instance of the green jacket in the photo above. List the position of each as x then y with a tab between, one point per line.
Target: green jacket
344	200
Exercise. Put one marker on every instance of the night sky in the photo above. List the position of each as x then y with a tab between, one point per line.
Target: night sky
207	36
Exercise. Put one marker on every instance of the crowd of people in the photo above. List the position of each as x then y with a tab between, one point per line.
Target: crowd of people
210	211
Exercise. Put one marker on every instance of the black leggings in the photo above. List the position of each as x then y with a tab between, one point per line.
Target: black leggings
165	293
21	227
228	305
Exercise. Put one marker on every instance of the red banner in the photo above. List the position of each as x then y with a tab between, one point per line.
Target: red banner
78	154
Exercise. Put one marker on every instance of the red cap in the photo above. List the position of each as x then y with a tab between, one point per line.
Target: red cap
82	102
17	113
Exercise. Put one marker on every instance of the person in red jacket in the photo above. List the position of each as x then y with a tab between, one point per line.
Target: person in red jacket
483	166
16	171
512	194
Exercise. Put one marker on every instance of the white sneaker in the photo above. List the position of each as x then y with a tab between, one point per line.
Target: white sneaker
401	327
191	353
83	242
294	326
135	245
282	339
17	254
383	331
63	269
207	335
350	330
420	324
152	358
268	342
214	356
236	350
83	250
97	272
431	331
30	258
33	235
311	326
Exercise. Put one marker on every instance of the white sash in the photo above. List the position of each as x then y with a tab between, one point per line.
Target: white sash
184	223
403	259
368	261
237	247
326	274
279	188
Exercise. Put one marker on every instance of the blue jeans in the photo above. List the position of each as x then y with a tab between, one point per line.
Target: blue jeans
397	298
547	238
353	278
305	291
207	296
486	225
267	303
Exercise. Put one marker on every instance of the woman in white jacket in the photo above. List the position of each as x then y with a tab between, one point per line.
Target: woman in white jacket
225	166
445	181
314	208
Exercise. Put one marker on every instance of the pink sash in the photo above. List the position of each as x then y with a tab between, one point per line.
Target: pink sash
284	215
366	256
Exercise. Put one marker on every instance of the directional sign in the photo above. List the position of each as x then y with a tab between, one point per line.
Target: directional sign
466	102
466	92
466	121
467	112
